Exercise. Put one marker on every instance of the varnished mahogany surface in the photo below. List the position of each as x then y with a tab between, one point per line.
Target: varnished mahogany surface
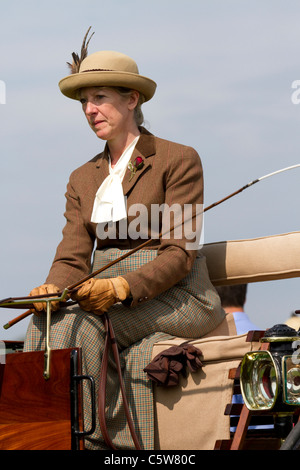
35	413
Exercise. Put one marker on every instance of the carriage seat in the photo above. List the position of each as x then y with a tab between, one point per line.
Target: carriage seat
196	405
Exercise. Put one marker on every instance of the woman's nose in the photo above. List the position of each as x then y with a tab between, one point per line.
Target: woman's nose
90	108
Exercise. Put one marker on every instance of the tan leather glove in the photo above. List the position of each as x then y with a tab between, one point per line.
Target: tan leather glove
42	290
98	295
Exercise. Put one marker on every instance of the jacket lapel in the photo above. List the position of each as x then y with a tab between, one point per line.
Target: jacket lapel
145	148
102	167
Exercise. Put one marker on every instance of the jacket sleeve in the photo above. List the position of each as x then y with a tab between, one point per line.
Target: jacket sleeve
72	260
176	253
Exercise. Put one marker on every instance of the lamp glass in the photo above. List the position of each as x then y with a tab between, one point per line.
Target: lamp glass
259	380
291	380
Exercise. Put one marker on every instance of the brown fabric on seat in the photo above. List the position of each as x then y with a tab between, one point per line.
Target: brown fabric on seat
165	368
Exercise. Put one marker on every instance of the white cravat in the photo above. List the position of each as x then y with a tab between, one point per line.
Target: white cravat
109	203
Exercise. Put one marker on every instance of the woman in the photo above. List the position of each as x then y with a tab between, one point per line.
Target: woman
113	203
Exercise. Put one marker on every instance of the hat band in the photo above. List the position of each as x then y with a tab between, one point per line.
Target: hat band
98	70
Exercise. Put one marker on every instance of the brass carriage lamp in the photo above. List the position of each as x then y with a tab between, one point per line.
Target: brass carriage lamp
270	379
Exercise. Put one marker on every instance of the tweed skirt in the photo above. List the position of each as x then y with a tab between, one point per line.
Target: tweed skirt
190	309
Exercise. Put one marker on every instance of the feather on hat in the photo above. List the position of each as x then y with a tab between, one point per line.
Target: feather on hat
74	67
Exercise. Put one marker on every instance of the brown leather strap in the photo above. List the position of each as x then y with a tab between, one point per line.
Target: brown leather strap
110	341
102	389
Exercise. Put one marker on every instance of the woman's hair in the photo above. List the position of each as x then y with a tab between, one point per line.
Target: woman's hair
138	113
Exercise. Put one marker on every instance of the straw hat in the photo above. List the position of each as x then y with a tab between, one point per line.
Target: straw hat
104	68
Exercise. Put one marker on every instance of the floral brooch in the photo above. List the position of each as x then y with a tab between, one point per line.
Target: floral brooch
137	165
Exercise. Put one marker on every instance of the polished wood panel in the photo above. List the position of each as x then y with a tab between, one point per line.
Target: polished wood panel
35	413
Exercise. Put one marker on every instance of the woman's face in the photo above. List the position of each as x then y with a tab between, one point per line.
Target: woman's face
108	113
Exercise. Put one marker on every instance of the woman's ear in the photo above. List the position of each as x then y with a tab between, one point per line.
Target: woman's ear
133	100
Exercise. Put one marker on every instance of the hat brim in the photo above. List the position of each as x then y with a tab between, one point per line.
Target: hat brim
70	85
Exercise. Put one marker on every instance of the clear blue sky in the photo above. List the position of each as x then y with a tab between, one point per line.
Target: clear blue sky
224	72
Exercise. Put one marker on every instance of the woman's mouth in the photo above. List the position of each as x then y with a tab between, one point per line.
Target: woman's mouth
97	123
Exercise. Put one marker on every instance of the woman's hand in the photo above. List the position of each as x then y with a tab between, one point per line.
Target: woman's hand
98	295
43	290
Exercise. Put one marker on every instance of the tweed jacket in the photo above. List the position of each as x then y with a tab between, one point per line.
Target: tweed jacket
171	174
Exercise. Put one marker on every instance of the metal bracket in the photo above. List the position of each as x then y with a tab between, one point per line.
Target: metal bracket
47	300
76	433
47	354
